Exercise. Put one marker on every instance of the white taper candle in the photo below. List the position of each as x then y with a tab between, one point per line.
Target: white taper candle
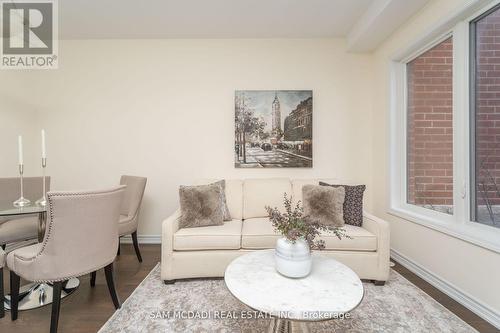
44	153
20	149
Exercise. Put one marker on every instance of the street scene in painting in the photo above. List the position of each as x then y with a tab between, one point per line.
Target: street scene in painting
273	129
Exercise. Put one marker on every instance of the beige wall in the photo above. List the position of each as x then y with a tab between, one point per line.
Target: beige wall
472	269
18	118
164	109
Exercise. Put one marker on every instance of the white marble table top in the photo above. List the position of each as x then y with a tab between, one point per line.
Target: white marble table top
329	290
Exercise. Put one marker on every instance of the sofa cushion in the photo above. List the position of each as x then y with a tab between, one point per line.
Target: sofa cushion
220	237
362	240
259	193
258	233
234	195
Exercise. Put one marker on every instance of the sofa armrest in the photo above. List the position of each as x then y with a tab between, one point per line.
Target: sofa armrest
381	229
169	228
374	224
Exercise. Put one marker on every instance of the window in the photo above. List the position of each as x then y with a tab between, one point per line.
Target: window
430	128
445	127
485	96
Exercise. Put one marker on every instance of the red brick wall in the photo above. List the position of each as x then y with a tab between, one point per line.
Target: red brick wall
488	108
430	132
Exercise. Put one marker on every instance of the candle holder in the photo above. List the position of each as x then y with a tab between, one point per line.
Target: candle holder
22	201
42	202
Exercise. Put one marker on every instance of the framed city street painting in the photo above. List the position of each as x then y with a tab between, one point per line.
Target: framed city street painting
273	129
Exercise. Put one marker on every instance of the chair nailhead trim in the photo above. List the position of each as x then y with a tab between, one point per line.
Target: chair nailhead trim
48	230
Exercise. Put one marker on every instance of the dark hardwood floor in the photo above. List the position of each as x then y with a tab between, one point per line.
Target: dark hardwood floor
461	311
86	310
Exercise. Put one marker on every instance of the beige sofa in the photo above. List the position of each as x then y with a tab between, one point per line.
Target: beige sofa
206	251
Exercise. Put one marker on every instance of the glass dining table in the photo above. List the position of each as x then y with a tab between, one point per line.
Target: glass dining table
35	294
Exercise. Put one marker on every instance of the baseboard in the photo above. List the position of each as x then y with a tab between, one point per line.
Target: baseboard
142	239
449	289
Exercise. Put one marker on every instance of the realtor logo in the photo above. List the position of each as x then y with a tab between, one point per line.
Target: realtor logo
29	34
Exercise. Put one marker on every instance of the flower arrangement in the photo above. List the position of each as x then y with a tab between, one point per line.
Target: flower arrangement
293	225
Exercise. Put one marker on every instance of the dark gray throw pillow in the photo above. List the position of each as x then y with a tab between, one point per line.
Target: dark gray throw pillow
225	210
200	206
353	203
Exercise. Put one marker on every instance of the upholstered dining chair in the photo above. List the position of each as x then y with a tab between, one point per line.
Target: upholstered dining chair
14	229
66	251
130	208
129	213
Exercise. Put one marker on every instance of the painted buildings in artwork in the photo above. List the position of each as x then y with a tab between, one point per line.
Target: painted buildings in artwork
276	114
298	124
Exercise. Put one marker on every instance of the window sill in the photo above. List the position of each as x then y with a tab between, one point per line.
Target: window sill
475	233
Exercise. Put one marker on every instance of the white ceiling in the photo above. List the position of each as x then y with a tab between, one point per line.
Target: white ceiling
109	19
208	18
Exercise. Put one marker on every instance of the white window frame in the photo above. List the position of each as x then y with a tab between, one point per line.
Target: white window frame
459	224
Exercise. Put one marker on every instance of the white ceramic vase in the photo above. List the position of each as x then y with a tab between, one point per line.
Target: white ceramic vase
293	259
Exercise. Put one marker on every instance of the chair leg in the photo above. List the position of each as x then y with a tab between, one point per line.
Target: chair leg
56	306
14	294
2	309
3	246
136	246
92	279
118	251
378	283
108	270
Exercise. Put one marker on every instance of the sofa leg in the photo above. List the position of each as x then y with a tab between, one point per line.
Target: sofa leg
169	281
378	283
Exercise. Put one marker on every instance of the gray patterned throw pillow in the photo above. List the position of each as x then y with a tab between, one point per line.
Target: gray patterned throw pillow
353	203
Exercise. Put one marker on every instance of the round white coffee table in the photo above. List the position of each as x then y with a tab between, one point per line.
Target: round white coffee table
328	292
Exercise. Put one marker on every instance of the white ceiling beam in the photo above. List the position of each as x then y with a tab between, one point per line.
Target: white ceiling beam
379	21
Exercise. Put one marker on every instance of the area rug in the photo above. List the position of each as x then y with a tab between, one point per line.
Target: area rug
207	306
